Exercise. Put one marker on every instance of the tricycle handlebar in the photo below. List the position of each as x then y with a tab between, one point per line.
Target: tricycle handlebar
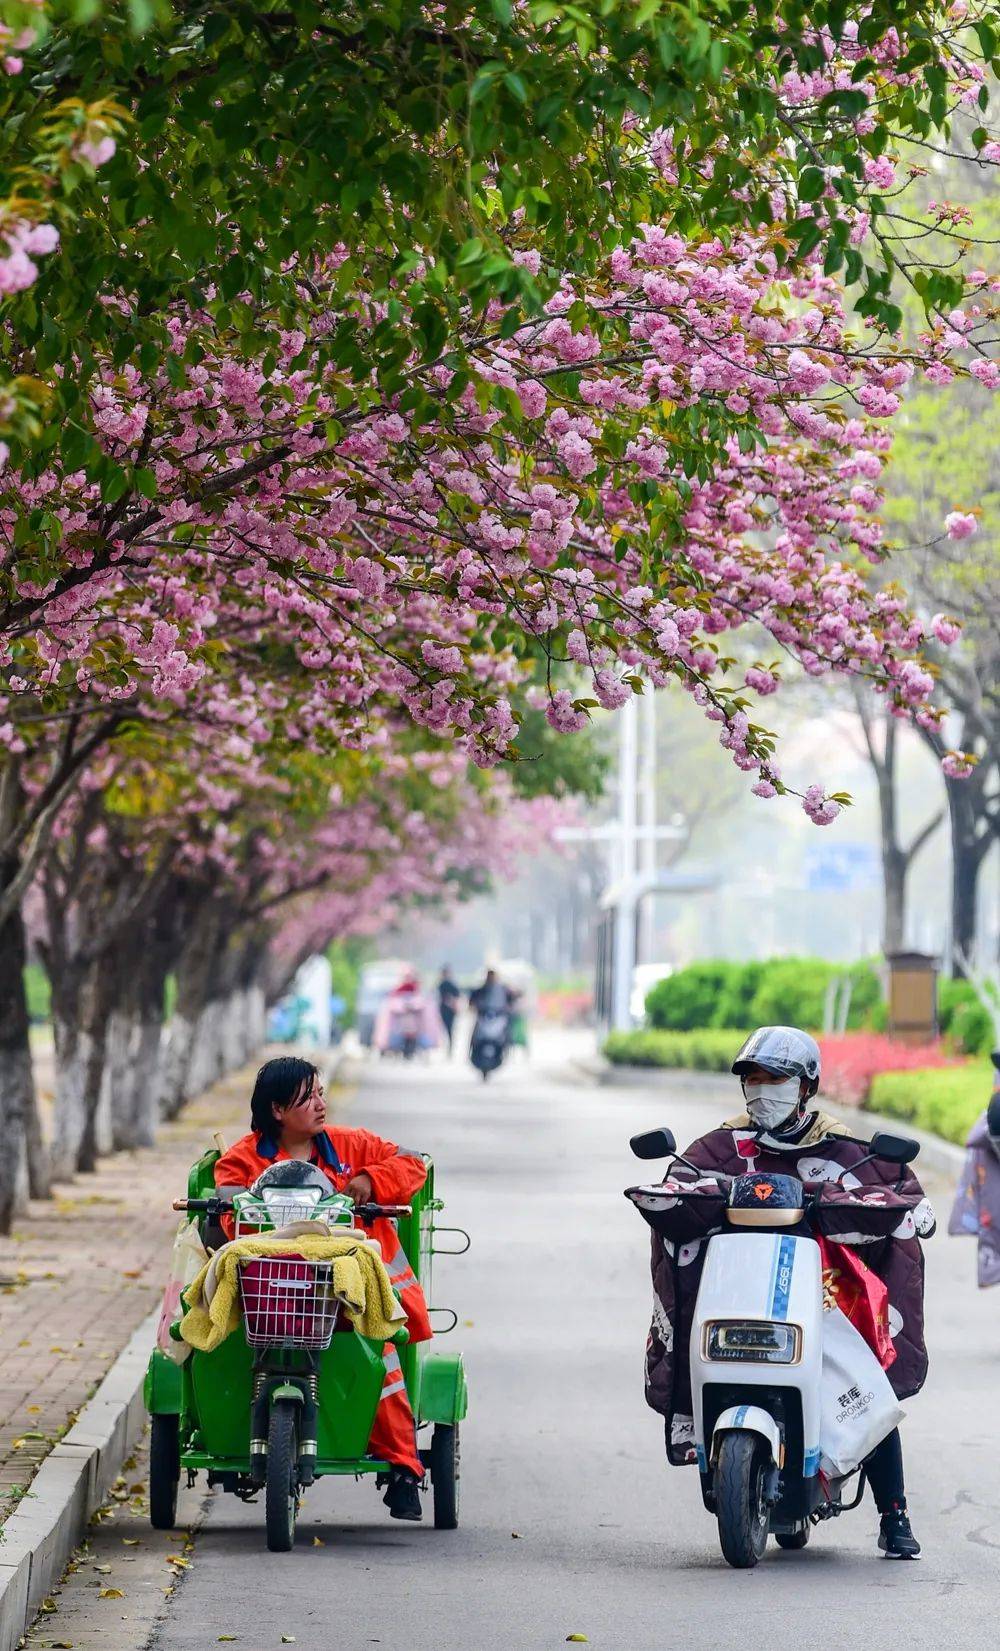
221	1206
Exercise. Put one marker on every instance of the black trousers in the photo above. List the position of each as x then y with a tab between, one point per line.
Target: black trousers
448	1022
884	1468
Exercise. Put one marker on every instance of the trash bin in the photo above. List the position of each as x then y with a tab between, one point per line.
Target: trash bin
913	997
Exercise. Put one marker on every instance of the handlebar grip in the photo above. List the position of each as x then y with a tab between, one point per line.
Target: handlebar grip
212	1204
368	1212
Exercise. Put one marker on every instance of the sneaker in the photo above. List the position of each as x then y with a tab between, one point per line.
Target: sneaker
895	1538
403	1495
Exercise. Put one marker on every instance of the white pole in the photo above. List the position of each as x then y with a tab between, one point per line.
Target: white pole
647	822
624	947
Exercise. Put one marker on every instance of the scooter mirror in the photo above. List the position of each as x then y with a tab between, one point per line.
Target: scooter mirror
655	1143
993	1115
895	1149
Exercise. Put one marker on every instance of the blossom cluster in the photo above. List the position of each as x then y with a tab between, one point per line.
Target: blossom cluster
688	447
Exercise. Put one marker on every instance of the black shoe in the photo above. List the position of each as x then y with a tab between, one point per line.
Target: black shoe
403	1495
895	1538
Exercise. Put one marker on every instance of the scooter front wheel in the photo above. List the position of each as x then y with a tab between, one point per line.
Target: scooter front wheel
740	1482
281	1502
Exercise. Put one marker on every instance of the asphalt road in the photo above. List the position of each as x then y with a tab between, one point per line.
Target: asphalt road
572	1524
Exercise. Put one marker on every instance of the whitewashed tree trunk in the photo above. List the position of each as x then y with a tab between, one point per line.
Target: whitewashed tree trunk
231	1032
72	1046
145	1080
175	1064
116	1090
256	1020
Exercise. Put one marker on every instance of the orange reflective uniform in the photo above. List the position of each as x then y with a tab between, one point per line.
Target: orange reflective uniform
395	1176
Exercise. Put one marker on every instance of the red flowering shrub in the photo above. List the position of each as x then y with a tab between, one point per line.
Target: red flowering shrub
851	1060
566	1008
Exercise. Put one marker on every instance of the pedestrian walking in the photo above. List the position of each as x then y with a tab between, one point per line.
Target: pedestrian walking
449	998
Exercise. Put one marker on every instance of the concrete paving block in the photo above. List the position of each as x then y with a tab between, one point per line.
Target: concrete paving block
39	1537
13	1600
59	1517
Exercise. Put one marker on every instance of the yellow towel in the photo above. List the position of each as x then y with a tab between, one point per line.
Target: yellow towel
359	1279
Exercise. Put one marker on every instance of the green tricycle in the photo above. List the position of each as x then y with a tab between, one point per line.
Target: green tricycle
291	1399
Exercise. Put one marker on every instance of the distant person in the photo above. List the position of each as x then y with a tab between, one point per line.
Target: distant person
492	994
977	1202
449	998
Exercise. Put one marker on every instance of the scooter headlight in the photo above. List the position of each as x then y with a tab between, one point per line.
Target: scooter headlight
751	1343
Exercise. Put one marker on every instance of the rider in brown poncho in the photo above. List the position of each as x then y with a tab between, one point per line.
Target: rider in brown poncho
778	1134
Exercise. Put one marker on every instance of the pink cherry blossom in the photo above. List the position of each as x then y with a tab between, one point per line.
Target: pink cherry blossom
960	525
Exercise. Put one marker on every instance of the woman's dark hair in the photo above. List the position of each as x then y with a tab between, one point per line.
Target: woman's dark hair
279	1083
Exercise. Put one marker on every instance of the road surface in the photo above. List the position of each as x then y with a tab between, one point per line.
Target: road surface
572	1524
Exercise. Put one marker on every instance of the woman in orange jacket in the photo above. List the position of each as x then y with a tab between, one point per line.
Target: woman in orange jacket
288	1115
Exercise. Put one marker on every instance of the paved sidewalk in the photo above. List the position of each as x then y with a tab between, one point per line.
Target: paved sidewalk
81	1272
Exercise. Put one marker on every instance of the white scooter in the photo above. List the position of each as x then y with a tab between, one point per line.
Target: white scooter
756	1346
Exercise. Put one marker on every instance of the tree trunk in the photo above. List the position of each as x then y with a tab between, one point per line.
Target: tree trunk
71	1055
96	1136
117	1081
182	1052
82	997
134	1043
970	843
17	1084
895	865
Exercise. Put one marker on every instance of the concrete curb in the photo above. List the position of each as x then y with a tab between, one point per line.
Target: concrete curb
942	1157
37	1541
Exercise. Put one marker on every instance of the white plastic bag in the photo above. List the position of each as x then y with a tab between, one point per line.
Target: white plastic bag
189	1257
857	1405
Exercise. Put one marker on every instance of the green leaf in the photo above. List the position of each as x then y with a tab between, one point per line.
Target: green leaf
812	183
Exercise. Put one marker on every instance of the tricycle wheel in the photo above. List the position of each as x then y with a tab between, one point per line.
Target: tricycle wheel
445	1459
164	1471
741	1507
281	1500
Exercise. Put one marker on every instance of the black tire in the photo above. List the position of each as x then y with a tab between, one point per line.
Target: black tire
793	1540
739	1499
445	1473
164	1471
280	1490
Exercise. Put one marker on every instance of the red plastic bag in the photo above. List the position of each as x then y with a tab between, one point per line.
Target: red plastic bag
861	1296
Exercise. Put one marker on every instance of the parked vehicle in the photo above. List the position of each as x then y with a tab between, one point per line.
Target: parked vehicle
287	1398
757	1341
376	981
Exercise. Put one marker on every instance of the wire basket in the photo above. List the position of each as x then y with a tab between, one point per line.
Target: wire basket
288	1302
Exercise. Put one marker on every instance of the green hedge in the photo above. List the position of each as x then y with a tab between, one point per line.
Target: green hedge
963	1018
788	991
710	1050
945	1100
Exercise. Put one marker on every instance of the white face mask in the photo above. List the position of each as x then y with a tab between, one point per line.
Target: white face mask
769	1104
